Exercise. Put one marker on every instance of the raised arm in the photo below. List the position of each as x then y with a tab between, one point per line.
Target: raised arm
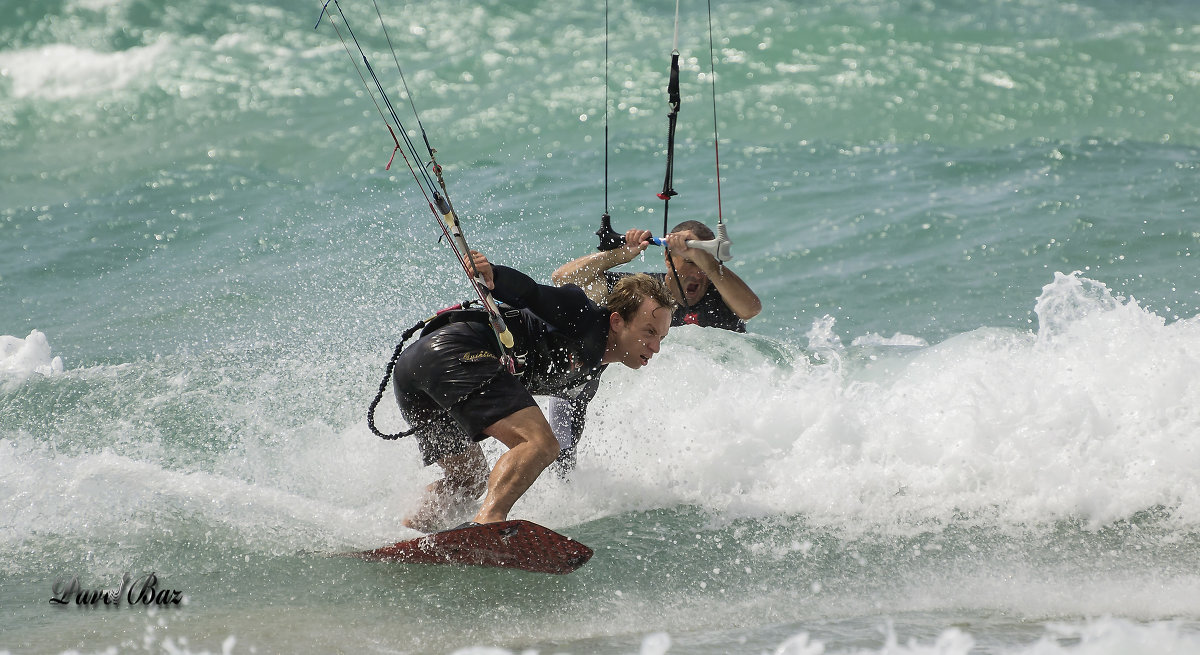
587	272
734	291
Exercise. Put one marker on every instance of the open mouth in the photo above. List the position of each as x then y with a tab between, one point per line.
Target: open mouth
692	288
645	360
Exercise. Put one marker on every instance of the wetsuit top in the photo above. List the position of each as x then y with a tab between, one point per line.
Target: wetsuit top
710	311
565	334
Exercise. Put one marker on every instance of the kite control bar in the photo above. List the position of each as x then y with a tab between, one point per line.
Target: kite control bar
718	247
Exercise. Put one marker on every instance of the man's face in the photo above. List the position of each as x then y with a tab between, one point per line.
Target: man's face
635	341
693	280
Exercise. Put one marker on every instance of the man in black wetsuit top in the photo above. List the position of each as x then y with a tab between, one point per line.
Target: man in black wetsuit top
454	392
711	296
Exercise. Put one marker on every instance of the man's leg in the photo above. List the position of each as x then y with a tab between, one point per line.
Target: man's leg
531	448
465	479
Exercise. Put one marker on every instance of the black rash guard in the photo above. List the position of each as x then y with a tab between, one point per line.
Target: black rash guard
565	334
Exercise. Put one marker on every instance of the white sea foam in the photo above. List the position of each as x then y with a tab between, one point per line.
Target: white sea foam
64	71
85	495
95	5
1092	417
21	358
872	339
1103	636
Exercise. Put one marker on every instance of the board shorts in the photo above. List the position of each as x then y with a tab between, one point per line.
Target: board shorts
450	386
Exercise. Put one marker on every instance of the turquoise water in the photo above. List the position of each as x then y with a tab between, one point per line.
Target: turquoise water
965	421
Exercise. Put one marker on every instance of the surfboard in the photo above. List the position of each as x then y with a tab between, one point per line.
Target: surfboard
508	544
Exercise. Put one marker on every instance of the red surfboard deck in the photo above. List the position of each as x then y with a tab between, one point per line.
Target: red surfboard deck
508	544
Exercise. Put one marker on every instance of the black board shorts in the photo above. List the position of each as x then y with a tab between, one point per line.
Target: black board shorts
450	385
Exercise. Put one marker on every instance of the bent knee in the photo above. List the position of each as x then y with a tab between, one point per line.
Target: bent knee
546	451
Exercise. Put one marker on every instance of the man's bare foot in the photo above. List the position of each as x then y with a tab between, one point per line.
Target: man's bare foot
422	525
440	511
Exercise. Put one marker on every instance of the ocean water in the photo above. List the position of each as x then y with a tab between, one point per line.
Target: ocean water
966	421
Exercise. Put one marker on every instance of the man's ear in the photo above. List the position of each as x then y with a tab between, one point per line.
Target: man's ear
615	322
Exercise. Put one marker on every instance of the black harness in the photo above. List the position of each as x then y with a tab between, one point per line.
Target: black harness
464	314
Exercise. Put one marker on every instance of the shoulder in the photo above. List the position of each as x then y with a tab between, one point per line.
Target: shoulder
574	311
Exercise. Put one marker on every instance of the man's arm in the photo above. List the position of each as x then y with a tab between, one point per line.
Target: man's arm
734	291
566	308
587	272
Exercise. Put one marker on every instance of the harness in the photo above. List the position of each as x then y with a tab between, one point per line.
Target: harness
460	313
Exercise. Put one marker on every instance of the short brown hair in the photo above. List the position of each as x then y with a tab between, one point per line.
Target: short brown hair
702	231
630	291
